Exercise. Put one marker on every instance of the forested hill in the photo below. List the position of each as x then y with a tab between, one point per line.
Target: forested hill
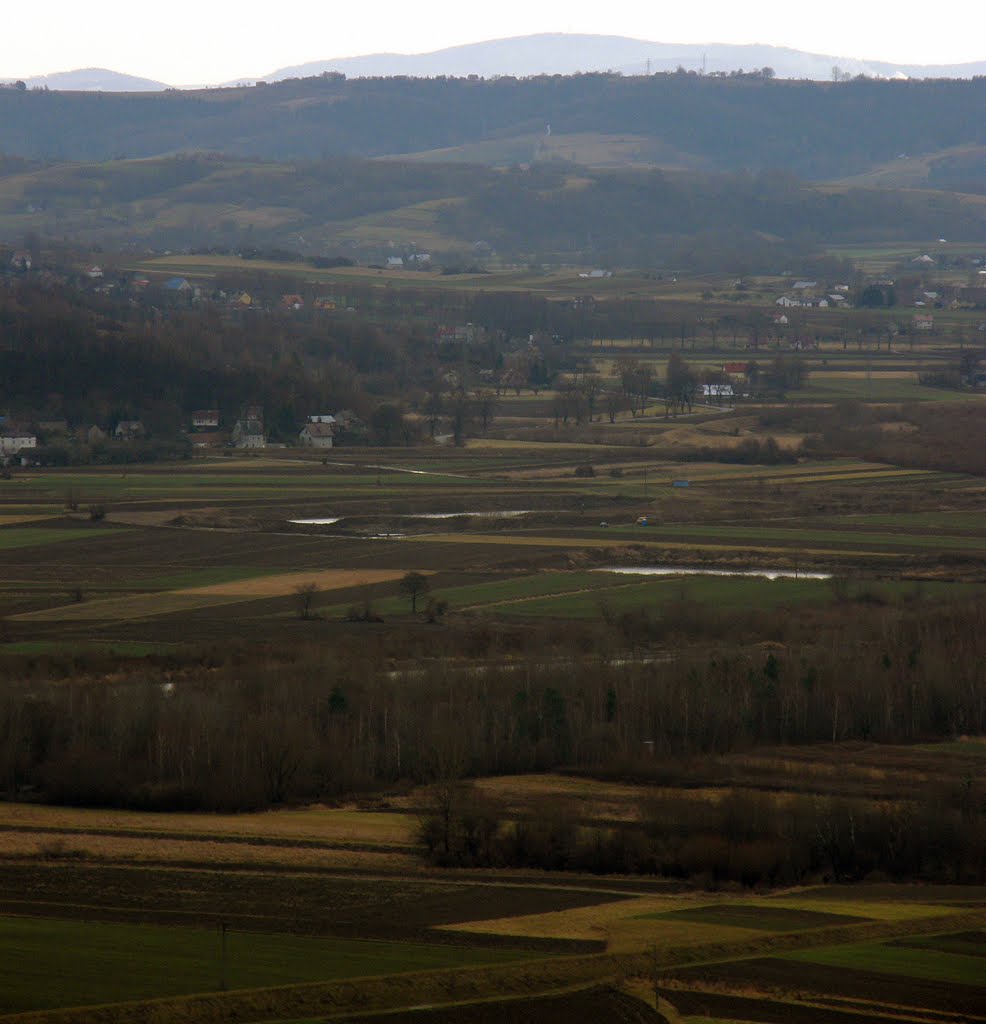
811	129
618	217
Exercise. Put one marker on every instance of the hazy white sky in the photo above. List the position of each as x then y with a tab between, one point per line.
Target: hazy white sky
204	41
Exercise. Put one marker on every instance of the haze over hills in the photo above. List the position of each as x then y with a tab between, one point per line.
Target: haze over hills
550	54
92	80
565	54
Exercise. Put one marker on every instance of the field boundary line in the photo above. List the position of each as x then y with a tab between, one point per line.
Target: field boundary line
469	984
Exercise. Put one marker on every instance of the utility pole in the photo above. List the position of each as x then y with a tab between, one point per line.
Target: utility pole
224	975
656	980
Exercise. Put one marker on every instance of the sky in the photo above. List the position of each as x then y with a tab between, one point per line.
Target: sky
186	42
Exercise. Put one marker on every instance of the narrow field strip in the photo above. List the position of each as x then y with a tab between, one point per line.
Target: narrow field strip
141	606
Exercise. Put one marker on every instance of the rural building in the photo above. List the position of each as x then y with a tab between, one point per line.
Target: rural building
92	435
292	302
719	391
395	261
177	284
13	441
316	435
325	302
924	322
322	417
205	419
94	272
249	433
21	260
129	430
209	439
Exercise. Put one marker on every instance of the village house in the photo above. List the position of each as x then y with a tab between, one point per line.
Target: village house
21	260
209	439
91	435
205	419
14	441
326	302
394	262
94	272
177	285
322	417
316	435
924	322
292	302
129	430
717	391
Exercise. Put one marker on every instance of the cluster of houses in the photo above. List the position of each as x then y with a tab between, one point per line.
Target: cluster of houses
319	431
811	295
17	442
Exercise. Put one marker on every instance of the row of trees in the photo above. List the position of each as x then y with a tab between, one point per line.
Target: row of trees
319	723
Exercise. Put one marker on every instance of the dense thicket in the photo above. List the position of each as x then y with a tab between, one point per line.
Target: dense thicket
255	731
813	129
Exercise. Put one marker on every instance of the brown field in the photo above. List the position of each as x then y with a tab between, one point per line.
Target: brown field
776	979
194	598
321	824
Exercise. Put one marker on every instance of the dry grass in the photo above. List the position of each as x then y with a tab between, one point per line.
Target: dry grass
143	606
136	850
323	824
285	584
622	925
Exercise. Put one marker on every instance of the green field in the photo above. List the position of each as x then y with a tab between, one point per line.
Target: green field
48	963
37	536
926	964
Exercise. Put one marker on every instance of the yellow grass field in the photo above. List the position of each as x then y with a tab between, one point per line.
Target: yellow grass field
326	824
145	605
620	925
131	849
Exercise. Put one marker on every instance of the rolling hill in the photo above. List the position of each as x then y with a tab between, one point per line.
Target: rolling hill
816	131
549	212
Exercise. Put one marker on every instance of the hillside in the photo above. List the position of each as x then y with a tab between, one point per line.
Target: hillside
816	131
550	211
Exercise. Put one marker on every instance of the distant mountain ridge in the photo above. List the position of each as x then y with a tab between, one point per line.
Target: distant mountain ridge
548	54
91	80
567	54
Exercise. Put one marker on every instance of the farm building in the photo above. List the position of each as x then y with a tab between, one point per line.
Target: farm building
316	435
13	441
129	430
205	419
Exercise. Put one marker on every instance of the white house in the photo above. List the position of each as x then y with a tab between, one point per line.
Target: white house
205	419
395	261
717	391
322	418
13	441
316	435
